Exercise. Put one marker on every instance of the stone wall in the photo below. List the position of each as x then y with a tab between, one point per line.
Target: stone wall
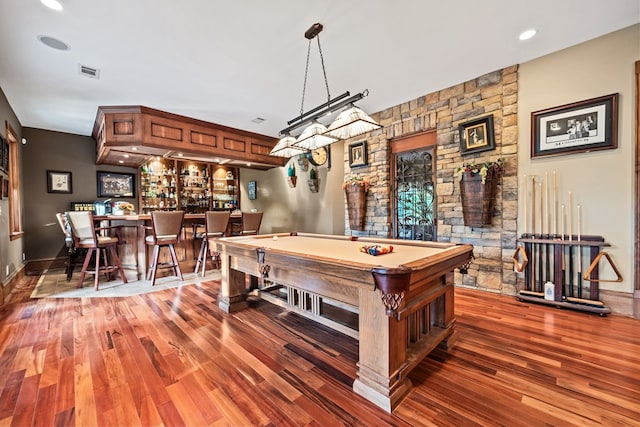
495	93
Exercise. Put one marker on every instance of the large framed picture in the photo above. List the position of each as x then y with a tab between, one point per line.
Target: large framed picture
575	128
115	184
358	154
477	135
59	182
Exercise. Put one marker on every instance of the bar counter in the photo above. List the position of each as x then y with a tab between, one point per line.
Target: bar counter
133	252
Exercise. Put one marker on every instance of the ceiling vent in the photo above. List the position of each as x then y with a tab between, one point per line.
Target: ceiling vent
94	73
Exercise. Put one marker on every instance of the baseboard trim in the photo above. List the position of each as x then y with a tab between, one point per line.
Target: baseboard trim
11	281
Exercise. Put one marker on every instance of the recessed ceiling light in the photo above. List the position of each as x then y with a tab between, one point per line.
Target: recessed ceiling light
53	43
52	4
126	156
120	161
526	35
134	148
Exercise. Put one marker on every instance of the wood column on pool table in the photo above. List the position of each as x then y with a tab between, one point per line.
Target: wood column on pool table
332	269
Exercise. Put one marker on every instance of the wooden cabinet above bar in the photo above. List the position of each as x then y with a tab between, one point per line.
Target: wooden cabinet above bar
129	135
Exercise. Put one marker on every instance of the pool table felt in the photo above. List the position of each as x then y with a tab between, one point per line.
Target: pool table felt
344	250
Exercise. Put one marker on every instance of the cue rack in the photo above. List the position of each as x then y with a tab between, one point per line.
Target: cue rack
553	263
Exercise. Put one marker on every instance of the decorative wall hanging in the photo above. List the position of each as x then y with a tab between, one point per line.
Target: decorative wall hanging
115	184
478	186
59	182
358	154
575	128
477	135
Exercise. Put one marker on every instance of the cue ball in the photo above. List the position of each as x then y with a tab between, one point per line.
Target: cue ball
275	237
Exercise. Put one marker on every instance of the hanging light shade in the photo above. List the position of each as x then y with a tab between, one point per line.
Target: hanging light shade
352	122
286	148
314	137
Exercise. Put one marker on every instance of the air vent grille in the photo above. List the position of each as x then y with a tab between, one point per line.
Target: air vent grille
85	70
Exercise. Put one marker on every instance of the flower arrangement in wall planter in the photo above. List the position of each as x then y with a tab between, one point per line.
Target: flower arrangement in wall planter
291	175
478	186
355	190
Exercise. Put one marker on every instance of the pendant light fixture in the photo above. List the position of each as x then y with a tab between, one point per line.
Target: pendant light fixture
351	122
285	147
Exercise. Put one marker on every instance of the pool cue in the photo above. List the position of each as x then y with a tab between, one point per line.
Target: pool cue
532	258
564	271
547	249
540	246
554	212
579	257
526	204
570	260
527	246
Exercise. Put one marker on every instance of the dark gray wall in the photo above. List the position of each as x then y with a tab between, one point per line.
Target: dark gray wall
49	150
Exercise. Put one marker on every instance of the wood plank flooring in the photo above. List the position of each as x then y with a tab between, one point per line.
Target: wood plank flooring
173	358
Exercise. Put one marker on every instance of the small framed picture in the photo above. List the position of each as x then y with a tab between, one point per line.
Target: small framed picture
251	190
477	135
115	184
358	154
59	182
575	128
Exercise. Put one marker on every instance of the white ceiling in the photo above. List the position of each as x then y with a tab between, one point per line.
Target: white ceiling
229	62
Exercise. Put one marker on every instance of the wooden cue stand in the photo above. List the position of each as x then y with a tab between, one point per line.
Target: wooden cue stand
556	257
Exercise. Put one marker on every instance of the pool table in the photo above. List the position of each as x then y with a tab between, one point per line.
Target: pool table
403	300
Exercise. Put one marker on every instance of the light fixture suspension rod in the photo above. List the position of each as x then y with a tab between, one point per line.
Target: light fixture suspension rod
319	107
328	109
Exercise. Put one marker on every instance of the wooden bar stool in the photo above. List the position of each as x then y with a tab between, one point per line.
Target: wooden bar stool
250	224
215	227
166	227
84	235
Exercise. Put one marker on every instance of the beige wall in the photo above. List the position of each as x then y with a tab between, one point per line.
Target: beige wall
602	181
298	209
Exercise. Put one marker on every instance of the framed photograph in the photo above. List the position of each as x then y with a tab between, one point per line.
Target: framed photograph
575	128
477	135
59	182
358	154
251	190
116	184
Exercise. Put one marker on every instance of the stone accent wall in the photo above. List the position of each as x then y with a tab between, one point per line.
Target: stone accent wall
494	93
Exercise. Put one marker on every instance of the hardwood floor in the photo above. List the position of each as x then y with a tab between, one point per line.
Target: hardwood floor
173	358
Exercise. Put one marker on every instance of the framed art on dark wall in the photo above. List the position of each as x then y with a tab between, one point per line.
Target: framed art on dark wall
477	135
59	182
579	127
115	184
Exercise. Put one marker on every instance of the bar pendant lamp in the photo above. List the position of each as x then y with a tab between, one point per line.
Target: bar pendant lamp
351	122
314	137
286	148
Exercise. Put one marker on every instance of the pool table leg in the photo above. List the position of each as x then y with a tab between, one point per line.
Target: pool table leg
233	287
382	354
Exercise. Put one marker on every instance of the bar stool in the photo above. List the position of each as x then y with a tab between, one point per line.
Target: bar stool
250	224
166	227
84	235
215	227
